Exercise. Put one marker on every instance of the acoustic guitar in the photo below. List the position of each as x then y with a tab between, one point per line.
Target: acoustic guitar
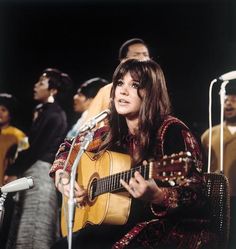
107	200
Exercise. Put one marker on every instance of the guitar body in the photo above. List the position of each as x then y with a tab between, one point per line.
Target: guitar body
107	208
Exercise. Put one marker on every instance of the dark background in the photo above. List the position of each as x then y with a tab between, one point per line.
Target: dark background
193	40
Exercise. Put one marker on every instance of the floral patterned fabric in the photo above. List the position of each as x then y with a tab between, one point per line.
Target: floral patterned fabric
181	220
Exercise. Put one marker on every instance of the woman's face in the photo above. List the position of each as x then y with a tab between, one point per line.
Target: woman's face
4	116
127	102
41	91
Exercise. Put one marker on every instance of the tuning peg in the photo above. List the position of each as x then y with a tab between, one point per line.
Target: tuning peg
188	153
172	183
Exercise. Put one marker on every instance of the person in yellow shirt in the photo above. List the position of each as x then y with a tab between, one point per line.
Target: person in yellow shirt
12	139
134	48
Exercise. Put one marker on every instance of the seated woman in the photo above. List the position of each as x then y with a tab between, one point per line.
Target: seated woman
140	125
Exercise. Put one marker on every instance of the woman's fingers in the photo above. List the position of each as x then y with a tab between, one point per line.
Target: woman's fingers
133	187
140	188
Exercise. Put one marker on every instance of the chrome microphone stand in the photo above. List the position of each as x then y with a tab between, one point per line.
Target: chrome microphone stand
71	204
210	124
2	209
222	100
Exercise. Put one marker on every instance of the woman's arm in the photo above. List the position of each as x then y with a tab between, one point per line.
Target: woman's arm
190	193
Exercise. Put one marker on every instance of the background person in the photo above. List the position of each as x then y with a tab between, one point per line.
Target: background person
12	141
229	155
82	100
35	221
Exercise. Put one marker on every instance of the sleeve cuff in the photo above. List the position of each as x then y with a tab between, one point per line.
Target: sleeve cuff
169	202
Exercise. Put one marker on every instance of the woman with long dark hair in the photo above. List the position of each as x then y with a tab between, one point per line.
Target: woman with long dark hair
140	126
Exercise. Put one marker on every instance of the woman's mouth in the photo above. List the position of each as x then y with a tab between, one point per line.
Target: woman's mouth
123	101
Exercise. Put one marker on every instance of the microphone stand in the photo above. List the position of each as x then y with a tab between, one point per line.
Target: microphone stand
222	100
2	210
210	124
71	204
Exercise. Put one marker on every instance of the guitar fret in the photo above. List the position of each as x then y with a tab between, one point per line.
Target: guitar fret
106	185
115	181
102	185
121	176
118	177
110	183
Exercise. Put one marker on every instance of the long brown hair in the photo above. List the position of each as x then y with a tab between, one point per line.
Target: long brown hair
154	107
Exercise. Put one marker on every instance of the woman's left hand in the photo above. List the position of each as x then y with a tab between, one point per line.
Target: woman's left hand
146	190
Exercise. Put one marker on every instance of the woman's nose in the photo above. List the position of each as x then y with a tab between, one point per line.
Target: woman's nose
124	89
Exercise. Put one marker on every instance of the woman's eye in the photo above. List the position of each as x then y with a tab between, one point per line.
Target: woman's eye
135	85
120	83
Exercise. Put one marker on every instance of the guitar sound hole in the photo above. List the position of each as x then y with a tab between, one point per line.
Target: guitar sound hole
92	189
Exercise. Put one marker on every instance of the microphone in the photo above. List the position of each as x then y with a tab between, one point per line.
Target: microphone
93	121
228	76
18	185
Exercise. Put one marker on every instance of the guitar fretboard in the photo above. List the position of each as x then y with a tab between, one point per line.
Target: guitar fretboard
112	183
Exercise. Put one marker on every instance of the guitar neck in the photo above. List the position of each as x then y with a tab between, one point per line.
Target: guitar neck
112	183
169	171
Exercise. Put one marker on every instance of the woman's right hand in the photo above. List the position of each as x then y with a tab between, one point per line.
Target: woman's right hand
62	182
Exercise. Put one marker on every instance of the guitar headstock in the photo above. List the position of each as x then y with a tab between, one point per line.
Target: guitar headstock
172	170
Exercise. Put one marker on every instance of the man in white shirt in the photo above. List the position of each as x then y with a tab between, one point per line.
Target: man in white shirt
229	155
